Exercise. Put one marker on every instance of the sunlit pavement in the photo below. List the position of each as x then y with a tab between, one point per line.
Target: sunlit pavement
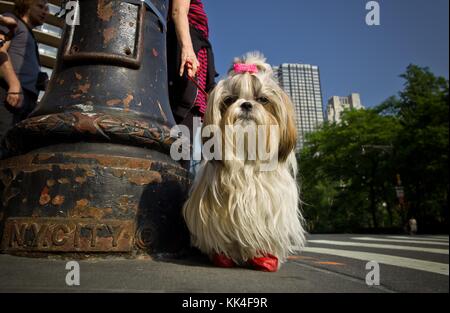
330	263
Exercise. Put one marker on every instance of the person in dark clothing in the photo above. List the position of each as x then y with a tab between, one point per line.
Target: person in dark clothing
20	69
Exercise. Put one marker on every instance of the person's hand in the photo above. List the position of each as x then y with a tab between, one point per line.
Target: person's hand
8	21
14	96
189	60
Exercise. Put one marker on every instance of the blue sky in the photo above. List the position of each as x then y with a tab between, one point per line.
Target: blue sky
332	34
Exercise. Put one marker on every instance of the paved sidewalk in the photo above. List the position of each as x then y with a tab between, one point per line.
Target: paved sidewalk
191	275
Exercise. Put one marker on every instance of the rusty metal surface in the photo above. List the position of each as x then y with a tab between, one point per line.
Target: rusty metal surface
97	95
93	157
27	135
106	82
118	39
67	235
98	182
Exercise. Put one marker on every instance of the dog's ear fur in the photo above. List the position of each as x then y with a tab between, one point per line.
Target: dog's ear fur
213	114
288	130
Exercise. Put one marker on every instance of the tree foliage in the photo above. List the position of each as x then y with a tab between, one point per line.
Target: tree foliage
349	170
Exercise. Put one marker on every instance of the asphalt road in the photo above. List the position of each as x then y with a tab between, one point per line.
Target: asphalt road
330	264
406	263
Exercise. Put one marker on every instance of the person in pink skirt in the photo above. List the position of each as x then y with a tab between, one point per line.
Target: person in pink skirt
191	67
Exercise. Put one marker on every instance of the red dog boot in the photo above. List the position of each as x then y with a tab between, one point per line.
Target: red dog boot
220	260
267	263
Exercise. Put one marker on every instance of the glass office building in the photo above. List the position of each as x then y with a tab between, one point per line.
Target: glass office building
302	83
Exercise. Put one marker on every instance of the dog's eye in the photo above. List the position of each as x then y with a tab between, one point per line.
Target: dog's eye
229	100
263	100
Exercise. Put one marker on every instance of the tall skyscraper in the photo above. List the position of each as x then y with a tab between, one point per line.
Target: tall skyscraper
302	83
337	105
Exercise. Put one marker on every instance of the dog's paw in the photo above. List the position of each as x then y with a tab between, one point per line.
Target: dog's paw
268	263
221	260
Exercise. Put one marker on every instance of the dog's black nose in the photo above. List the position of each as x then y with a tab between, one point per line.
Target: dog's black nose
247	106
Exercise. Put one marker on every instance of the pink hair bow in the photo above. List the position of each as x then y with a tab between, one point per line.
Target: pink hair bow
240	68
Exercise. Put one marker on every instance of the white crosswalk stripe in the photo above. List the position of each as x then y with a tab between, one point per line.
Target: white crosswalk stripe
423	245
380	246
433	267
440	237
436	239
401	241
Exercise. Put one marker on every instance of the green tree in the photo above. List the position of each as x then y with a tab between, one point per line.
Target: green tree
348	170
422	155
349	164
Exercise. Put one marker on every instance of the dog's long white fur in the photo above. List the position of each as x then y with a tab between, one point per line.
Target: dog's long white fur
234	208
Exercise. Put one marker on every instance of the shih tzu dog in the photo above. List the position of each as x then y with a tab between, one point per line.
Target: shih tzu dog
243	209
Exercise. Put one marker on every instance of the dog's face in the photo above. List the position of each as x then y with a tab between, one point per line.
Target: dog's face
250	96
